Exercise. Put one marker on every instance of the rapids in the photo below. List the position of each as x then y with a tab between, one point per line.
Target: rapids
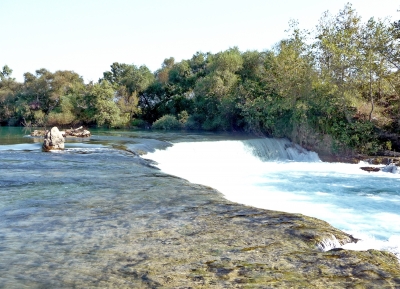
277	175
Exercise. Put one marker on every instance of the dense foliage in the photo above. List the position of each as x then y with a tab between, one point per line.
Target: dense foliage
336	89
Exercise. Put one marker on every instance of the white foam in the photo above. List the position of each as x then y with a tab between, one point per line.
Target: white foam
329	244
347	197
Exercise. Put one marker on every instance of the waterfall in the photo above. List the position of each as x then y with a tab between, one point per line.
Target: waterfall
276	174
272	149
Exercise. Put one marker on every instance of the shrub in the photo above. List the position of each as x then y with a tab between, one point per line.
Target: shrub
60	119
167	122
137	122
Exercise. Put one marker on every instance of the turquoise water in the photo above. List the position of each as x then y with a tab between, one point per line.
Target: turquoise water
271	174
68	217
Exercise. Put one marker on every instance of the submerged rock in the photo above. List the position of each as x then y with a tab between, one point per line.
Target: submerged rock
218	244
53	140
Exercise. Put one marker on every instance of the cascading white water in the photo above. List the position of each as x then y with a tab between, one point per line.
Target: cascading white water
272	149
278	175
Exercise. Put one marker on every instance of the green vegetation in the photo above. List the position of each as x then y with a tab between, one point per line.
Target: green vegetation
167	122
334	90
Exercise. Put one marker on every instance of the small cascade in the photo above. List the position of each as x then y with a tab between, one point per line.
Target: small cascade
272	149
331	243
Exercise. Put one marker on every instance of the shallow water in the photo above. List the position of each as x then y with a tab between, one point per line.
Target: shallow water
68	217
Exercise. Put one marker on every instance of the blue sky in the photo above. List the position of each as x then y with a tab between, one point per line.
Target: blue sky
87	36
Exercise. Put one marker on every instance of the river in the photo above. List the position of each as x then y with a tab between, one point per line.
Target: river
64	215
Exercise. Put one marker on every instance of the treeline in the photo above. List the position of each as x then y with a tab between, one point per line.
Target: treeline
335	89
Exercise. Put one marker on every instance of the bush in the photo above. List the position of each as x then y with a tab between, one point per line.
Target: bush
137	122
167	122
60	119
359	135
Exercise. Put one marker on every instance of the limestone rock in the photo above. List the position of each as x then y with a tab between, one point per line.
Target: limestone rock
53	140
77	132
72	132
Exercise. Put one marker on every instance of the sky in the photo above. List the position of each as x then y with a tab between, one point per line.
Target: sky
87	36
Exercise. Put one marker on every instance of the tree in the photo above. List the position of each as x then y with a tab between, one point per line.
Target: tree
100	106
215	101
374	68
9	89
129	82
338	53
5	73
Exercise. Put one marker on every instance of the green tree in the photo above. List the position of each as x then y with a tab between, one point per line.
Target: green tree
129	82
215	101
101	108
5	73
374	68
338	53
9	89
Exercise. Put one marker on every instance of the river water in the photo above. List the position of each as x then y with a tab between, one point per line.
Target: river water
273	174
64	214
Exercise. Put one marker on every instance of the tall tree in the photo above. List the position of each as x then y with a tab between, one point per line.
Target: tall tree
214	91
338	54
9	88
101	108
374	67
129	81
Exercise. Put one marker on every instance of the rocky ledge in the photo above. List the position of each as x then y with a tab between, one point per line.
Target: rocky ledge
213	243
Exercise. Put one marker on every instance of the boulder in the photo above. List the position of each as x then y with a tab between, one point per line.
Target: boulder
53	140
391	168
